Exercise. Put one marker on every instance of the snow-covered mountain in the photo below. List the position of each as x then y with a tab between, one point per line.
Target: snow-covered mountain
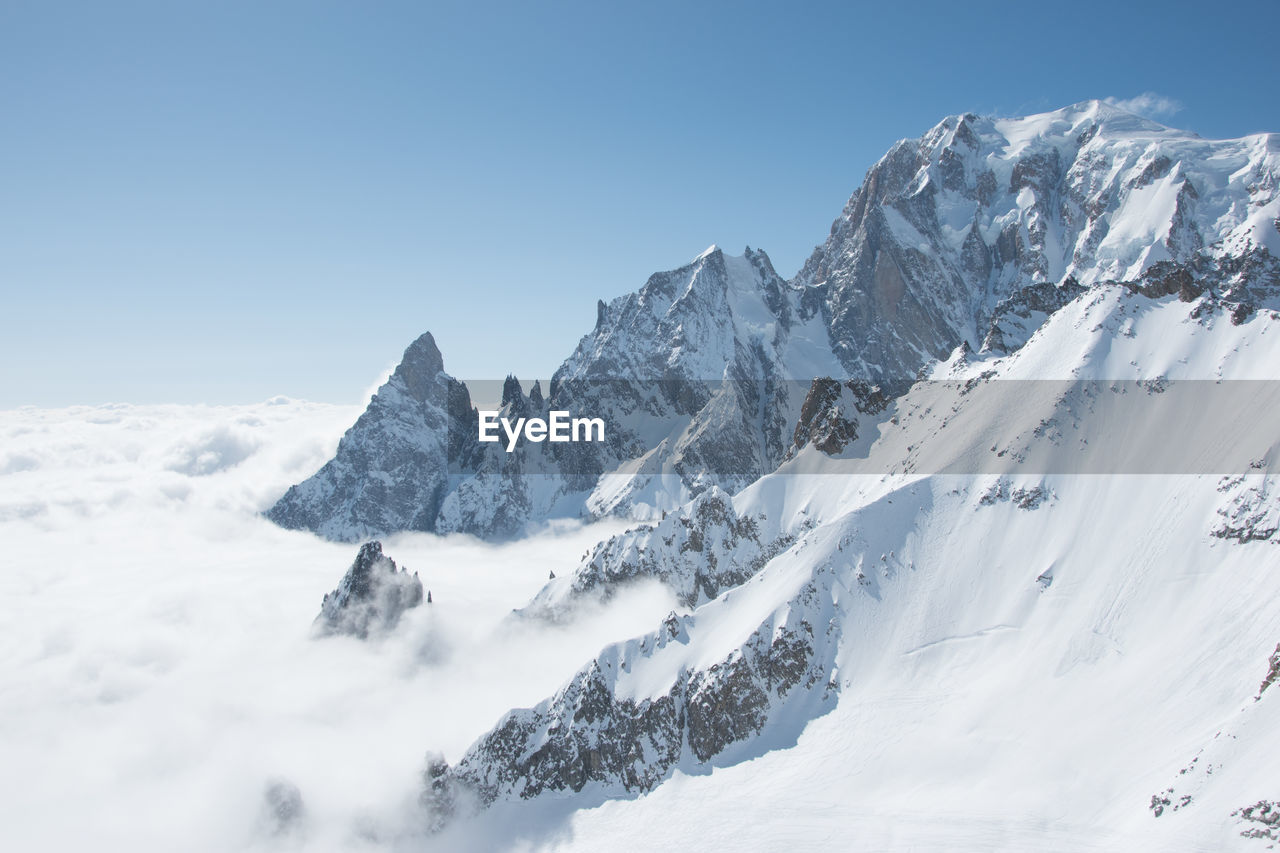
948	229
692	374
391	470
1000	451
924	562
1024	646
814	581
972	235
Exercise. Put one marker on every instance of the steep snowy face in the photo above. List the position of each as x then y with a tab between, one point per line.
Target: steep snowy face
819	603
694	374
919	647
720	316
391	471
952	539
947	226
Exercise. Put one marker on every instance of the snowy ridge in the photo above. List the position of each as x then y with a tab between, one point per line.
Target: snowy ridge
674	698
948	226
949	576
698	552
865	486
690	374
973	235
971	592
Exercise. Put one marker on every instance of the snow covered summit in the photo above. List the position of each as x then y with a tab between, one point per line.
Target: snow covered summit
970	237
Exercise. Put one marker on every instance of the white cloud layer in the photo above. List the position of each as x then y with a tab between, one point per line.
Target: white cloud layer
157	669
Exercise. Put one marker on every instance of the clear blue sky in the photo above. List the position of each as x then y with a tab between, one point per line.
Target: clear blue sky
220	202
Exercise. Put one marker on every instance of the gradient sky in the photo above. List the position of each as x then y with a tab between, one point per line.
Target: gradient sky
221	202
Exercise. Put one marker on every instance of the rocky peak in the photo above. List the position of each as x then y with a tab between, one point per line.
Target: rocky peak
946	227
391	470
513	399
371	597
687	323
831	411
420	366
823	421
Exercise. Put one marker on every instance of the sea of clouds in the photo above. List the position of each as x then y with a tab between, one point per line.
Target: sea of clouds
160	685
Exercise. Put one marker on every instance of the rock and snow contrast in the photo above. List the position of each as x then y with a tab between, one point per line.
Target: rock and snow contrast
963	538
969	237
1010	304
371	597
391	471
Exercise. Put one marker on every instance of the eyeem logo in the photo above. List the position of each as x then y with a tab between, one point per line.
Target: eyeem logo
560	427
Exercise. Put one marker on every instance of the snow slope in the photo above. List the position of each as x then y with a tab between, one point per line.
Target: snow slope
1006	677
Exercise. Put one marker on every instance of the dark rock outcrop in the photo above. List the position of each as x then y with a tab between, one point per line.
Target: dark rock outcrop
371	597
822	421
594	731
1250	511
698	552
1273	672
1261	820
1017	316
829	416
391	471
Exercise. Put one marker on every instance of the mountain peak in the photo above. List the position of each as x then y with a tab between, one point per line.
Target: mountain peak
371	596
425	352
420	365
713	249
1109	119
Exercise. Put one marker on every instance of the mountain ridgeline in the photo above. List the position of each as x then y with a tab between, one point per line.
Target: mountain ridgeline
860	489
965	240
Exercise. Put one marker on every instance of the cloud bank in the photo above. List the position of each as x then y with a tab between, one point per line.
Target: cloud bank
160	685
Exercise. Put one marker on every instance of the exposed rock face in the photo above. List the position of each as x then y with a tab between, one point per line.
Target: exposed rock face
1261	820
1238	285
698	552
822	421
391	471
597	732
1250	511
829	416
371	597
1017	316
948	228
1273	671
